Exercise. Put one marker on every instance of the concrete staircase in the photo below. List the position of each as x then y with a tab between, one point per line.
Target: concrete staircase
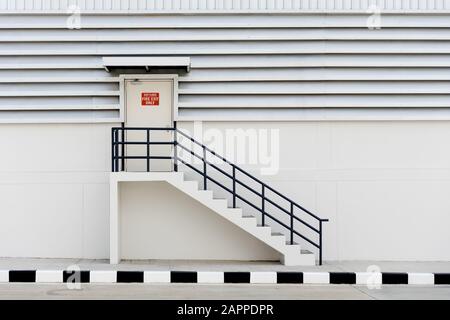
292	255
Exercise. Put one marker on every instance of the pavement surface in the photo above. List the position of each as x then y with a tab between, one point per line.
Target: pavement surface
199	265
222	292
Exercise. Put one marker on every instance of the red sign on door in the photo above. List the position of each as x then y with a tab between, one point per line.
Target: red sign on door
149	99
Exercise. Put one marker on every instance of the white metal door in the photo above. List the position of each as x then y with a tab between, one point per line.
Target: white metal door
149	103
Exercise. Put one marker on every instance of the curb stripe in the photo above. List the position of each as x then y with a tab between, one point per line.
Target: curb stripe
130	276
219	277
290	277
210	277
236	277
22	276
49	276
394	278
76	276
316	277
4	276
420	278
442	278
368	278
156	276
183	277
103	276
263	277
342	278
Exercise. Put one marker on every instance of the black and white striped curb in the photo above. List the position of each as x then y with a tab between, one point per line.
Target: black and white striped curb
215	277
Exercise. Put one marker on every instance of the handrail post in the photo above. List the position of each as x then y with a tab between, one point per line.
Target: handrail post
320	242
113	155
148	150
205	182
122	162
234	187
292	223
263	210
116	150
175	147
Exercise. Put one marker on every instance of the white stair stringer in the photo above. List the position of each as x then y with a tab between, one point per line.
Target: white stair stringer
292	255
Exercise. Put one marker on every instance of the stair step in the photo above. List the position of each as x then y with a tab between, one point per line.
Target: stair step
277	234
192	184
207	193
236	213
222	202
264	231
180	176
251	221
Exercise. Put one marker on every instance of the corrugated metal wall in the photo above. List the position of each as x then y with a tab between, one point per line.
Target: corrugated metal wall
168	5
280	62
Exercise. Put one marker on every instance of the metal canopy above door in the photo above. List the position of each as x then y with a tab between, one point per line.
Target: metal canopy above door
146	62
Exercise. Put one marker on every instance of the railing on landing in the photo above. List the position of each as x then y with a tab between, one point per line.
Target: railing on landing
119	158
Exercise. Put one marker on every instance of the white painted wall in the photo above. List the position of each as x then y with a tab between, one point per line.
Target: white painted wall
160	222
54	191
383	185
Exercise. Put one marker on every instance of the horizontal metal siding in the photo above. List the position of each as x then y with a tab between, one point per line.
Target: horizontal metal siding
50	73
225	21
249	61
222	34
231	48
214	5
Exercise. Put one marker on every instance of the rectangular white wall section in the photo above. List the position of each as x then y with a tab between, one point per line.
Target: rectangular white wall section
383	185
54	190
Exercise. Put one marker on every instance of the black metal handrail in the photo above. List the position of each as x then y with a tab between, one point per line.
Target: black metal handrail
120	155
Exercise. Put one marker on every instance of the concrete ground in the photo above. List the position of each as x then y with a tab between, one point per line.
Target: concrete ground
221	291
199	265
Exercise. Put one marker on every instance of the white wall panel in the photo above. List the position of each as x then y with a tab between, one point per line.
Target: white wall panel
54	190
36	148
40	220
374	180
360	175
